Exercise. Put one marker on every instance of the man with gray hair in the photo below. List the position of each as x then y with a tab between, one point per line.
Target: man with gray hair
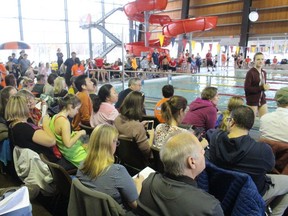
176	192
274	125
134	84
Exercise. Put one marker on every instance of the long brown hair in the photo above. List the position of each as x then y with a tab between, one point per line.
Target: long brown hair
170	109
133	105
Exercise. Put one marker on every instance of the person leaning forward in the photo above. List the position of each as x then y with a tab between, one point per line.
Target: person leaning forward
176	192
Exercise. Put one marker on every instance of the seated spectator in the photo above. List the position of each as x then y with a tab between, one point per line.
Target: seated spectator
104	111
172	65
173	112
203	111
39	86
233	103
68	143
10	80
27	83
49	86
60	87
99	62
3	73
236	150
128	122
99	172
35	113
167	92
176	192
134	84
72	89
5	94
274	125
30	73
83	85
93	92
28	135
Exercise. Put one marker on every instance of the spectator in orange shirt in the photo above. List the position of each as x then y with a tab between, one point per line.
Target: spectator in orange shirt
84	85
78	68
167	92
3	73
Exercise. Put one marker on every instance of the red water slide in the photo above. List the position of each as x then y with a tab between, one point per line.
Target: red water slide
135	11
189	25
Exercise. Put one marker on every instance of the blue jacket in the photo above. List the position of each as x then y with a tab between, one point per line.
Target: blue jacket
236	191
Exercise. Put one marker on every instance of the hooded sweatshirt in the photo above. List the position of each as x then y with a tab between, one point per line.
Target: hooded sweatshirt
243	154
202	113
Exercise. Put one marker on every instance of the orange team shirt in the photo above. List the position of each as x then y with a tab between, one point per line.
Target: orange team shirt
85	111
3	75
77	70
157	110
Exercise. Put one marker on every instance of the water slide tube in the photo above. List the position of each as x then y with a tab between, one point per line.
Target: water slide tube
134	11
189	25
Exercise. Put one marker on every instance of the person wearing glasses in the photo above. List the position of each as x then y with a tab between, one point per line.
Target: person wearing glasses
236	150
233	103
99	172
175	192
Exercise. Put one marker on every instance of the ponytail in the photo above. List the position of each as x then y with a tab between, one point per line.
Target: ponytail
96	104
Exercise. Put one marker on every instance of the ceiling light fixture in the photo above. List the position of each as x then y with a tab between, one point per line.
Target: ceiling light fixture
253	16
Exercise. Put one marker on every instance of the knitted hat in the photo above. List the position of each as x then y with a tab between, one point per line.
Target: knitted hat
281	96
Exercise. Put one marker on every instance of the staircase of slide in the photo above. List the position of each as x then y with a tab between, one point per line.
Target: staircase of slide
135	11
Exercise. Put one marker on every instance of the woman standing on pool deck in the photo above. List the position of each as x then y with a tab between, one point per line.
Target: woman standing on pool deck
255	86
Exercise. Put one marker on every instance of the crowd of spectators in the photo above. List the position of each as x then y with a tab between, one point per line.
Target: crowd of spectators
74	102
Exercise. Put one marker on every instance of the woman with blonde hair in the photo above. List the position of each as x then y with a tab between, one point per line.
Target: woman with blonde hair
35	113
28	135
68	143
60	87
233	103
99	172
27	83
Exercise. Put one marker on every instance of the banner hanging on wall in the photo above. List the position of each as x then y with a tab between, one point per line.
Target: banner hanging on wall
161	39
210	47
193	45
